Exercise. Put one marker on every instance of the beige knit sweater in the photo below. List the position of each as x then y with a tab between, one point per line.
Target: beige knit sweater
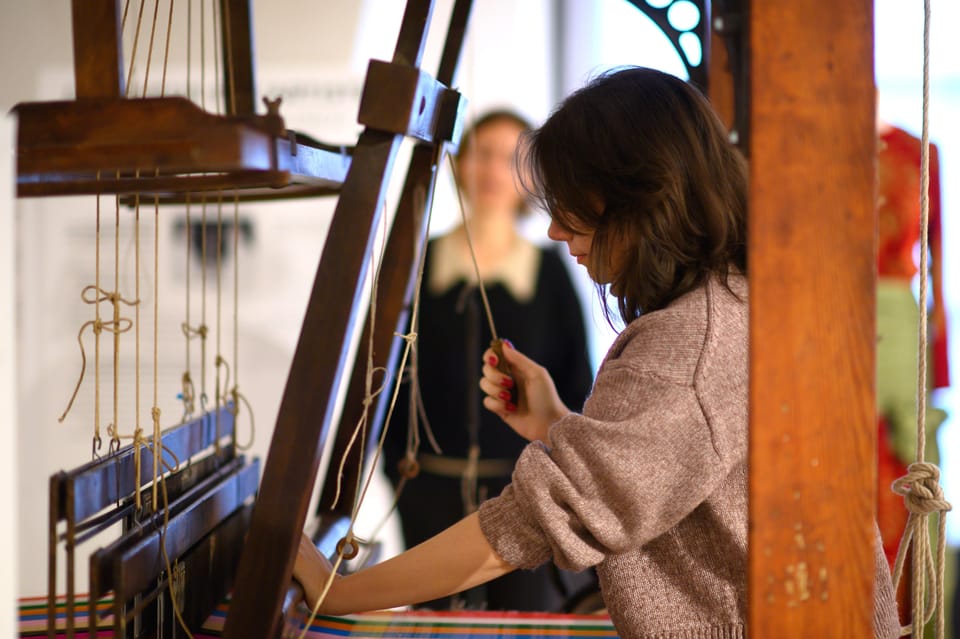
649	484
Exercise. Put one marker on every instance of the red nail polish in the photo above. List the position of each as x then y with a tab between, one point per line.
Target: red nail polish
492	360
505	395
511	407
506	382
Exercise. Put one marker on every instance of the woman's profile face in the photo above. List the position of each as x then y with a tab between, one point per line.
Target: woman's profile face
485	169
580	245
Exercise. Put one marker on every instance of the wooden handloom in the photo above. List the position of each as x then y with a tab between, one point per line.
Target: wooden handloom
167	148
811	144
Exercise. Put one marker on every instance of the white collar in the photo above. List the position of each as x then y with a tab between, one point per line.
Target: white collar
450	264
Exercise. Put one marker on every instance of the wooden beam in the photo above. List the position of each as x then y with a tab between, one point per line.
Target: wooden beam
97	49
239	87
812	288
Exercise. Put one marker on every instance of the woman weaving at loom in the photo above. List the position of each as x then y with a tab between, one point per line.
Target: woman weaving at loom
649	484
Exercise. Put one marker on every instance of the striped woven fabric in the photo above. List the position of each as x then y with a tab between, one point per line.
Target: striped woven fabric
380	625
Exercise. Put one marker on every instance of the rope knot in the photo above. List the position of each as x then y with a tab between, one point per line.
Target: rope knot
920	489
155	413
410	337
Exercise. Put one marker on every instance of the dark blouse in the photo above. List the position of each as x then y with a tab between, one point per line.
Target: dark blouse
453	333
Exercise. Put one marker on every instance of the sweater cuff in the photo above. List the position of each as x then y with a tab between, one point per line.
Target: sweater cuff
514	537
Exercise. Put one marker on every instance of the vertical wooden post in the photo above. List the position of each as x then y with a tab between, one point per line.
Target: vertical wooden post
97	49
812	288
240	91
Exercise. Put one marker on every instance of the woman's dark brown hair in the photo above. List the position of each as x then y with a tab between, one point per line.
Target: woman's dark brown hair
648	148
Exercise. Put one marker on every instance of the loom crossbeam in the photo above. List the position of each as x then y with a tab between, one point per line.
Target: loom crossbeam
166	146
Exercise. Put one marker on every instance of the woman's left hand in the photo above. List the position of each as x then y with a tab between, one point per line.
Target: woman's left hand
311	569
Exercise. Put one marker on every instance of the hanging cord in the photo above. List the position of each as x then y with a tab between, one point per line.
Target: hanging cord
153	33
98	325
137	431
216	59
235	393
95	295
189	57
920	487
111	428
230	69
203	57
473	253
166	51
187	393
155	410
136	42
218	360
350	544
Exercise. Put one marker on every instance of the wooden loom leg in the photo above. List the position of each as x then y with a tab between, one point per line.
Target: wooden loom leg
317	370
408	237
812	289
97	49
241	93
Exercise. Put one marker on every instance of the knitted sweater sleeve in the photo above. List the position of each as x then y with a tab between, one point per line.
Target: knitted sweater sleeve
639	460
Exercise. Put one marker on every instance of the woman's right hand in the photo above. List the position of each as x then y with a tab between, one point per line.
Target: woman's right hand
312	570
539	407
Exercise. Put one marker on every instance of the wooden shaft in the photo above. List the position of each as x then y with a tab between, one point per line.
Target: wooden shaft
97	49
812	299
241	93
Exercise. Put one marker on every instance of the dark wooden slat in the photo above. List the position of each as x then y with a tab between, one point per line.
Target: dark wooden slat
97	49
99	484
414	27
140	561
453	44
190	489
812	288
241	93
205	575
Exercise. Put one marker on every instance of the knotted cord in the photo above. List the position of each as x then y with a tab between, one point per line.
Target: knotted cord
920	487
350	543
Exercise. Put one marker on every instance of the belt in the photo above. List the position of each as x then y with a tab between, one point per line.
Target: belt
457	466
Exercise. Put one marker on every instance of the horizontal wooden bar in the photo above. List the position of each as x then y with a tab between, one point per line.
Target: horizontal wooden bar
204	576
87	490
177	484
135	561
162	145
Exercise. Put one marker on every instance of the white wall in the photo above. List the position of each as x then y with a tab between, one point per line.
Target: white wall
8	386
314	52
